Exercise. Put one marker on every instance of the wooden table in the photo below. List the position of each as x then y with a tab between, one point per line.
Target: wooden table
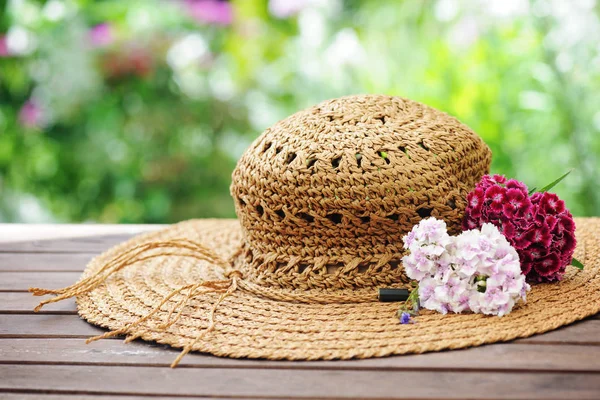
43	356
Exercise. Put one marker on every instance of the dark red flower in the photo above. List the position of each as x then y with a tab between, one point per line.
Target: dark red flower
520	241
509	230
534	252
565	224
548	265
539	235
550	221
551	204
515	184
566	244
526	267
469	224
498	178
497	196
475	202
539	227
517	203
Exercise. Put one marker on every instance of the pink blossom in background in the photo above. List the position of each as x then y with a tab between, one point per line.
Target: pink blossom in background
210	11
31	115
3	47
287	8
101	35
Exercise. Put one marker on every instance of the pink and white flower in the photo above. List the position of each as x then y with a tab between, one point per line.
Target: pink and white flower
476	271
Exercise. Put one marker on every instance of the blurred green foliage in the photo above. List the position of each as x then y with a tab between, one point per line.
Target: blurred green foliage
136	111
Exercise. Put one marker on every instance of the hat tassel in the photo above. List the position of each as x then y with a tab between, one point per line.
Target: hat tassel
225	286
211	317
125	259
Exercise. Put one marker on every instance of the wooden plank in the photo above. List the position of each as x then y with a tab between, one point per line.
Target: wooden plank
26	232
22	281
44	261
86	244
267	383
40	325
23	303
20	395
496	357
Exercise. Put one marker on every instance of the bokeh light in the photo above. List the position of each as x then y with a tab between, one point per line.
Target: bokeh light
136	111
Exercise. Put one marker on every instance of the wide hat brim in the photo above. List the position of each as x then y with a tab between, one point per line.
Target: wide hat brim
247	325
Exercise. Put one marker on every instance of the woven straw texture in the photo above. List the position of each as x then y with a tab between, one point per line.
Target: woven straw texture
324	198
250	326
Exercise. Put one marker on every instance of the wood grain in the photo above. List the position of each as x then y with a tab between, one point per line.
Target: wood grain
22	395
298	383
23	262
495	357
23	303
43	325
22	281
43	356
86	244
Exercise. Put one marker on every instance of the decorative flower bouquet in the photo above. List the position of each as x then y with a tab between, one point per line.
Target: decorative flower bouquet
512	237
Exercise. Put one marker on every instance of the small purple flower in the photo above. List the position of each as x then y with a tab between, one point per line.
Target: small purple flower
210	11
31	115
101	35
405	318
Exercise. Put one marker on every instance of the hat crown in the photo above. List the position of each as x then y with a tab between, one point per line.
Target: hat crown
325	196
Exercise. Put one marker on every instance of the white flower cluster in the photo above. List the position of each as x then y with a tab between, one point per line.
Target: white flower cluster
477	270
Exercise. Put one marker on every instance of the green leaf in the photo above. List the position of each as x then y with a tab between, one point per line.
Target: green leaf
577	264
532	191
550	186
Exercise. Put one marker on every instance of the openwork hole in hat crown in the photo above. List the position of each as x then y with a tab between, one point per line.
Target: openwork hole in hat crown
325	196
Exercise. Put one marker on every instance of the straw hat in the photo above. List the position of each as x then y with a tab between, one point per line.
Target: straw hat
323	199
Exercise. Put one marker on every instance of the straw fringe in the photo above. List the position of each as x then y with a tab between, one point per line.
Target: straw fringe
211	318
234	281
123	260
132	256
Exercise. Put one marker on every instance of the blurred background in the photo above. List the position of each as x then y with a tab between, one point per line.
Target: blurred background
136	111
